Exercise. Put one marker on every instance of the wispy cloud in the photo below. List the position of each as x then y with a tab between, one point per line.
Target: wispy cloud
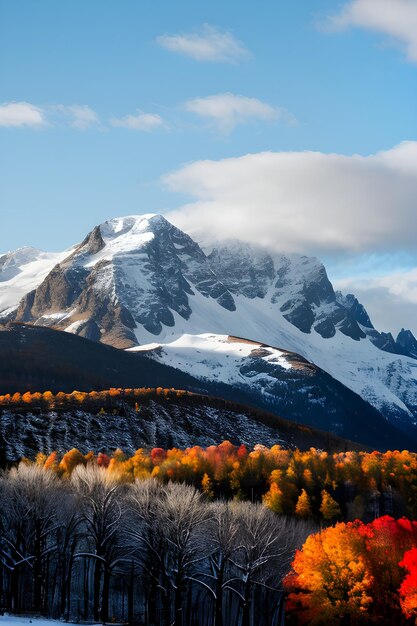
21	114
80	116
227	110
24	114
395	18
208	44
309	202
140	121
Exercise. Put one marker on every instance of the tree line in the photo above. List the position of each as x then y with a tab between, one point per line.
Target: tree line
94	547
311	484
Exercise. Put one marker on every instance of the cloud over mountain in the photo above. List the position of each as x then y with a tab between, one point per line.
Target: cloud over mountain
310	202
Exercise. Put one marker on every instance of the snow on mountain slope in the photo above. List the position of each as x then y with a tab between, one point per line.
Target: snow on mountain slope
21	271
216	357
138	279
388	382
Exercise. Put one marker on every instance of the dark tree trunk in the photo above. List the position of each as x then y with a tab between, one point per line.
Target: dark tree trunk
131	587
14	591
96	591
104	612
67	593
86	587
178	608
37	570
246	604
218	604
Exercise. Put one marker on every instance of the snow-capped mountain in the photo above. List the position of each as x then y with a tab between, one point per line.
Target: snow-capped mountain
139	280
21	271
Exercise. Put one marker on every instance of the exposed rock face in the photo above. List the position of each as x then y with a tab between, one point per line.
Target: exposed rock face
136	271
407	343
243	271
355	308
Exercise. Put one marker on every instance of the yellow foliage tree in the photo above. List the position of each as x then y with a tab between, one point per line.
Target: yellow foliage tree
303	506
329	508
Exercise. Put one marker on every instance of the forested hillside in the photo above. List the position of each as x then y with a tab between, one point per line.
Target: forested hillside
132	418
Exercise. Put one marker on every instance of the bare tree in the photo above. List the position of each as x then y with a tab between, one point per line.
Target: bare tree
28	524
101	499
184	513
266	546
146	537
183	559
222	538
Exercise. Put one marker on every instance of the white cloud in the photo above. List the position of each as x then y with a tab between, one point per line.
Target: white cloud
391	300
141	121
395	18
24	114
18	114
227	110
80	116
210	44
309	202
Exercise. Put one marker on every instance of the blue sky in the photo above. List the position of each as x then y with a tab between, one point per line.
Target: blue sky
333	78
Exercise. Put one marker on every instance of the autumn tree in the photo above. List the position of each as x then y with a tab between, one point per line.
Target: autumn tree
329	508
408	589
303	506
330	579
385	542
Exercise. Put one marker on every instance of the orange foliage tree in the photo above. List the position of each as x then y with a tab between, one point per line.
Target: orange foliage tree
351	573
330	581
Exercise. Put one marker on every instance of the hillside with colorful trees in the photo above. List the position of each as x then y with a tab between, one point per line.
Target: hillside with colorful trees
145	417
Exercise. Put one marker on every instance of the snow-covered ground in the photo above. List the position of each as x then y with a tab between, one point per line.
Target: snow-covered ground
16	620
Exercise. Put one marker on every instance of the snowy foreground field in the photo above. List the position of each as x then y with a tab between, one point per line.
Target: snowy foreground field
15	620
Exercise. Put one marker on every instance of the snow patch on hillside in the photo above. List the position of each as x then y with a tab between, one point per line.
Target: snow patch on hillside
214	357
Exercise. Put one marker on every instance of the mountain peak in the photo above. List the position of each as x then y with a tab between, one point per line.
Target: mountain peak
20	256
407	343
120	226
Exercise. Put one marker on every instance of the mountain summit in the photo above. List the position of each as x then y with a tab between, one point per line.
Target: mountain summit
135	273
